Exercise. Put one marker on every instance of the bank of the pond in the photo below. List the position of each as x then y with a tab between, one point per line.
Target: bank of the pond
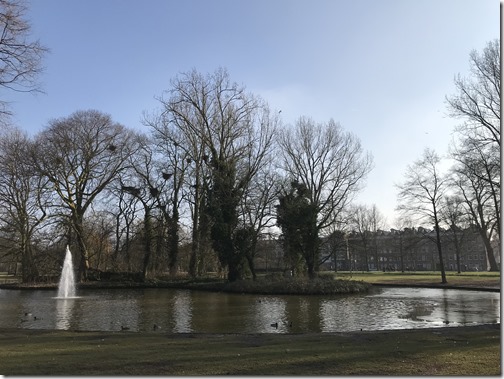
440	285
461	351
327	283
277	286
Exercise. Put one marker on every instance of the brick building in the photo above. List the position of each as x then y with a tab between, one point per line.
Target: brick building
411	249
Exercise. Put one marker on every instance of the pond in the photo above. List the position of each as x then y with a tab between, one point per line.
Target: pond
185	311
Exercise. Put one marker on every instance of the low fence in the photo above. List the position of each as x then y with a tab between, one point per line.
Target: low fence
5	278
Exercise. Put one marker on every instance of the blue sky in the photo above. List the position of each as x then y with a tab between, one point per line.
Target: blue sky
381	68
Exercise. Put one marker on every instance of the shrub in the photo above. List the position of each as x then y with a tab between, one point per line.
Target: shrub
297	286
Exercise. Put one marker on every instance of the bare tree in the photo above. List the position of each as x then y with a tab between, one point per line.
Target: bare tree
330	163
455	215
405	239
365	222
125	214
228	131
257	210
421	196
360	224
481	162
80	155
477	101
376	223
337	245
176	158
20	58
480	201
22	198
155	179
189	158
477	151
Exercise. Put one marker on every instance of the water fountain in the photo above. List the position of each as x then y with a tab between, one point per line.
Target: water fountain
66	288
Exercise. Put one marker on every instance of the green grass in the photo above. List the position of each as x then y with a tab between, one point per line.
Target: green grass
483	279
443	351
276	283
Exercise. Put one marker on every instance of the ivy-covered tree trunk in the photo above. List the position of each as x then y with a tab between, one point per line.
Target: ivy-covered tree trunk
245	244
298	220
173	245
222	209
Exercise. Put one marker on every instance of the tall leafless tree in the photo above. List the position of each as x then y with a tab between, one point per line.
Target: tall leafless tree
405	239
477	150
362	229
20	58
456	217
257	210
176	167
365	222
228	132
421	196
80	155
22	198
330	163
477	101
481	202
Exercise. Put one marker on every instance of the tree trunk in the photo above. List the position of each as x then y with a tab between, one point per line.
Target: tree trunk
492	262
30	272
251	265
81	243
401	252
234	271
440	251
147	243
174	241
457	249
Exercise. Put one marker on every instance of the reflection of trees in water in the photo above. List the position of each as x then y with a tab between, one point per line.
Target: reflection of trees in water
219	312
112	310
304	312
266	311
418	311
182	312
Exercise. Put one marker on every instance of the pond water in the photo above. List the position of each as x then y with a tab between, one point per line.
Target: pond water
185	311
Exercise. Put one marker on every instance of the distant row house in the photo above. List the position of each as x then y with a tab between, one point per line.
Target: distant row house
416	250
412	249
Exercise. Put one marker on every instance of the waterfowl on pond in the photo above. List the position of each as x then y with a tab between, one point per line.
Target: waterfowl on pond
275	325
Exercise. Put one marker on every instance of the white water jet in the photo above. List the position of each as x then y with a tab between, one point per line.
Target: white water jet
66	288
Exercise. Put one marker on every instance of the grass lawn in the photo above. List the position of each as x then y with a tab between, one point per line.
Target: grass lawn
470	279
461	351
440	351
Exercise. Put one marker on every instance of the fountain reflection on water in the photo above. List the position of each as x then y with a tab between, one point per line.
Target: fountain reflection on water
63	313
